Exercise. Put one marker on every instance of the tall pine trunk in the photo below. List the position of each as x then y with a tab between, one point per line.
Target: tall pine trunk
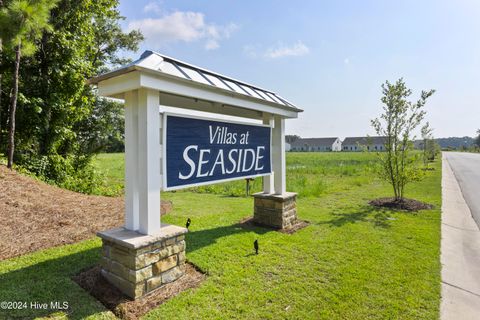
13	107
1	51
0	105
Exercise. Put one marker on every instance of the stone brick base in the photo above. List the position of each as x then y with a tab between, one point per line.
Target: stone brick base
137	264
278	211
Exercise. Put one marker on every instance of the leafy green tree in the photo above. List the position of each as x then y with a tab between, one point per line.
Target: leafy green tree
104	130
56	106
22	23
109	39
433	149
1	52
477	139
290	138
398	121
426	132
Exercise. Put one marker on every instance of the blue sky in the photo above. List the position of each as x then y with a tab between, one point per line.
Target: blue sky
329	57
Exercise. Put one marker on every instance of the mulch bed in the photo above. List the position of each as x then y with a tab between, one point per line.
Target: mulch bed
404	204
35	215
248	223
123	307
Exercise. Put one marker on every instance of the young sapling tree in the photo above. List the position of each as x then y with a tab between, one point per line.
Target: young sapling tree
398	121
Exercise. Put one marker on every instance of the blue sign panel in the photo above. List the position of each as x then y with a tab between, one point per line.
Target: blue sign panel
199	151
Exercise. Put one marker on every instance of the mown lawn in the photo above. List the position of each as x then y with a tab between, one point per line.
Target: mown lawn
352	262
112	167
309	174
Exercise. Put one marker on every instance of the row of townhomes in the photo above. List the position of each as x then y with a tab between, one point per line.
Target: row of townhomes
335	144
317	144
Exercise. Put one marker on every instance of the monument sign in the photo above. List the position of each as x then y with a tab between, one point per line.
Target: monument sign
168	152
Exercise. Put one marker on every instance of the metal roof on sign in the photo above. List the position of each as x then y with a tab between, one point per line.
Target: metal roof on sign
172	67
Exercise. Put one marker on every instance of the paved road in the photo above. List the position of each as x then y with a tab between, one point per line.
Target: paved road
460	250
466	167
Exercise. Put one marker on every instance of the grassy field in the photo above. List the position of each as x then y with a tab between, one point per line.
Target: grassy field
353	262
309	174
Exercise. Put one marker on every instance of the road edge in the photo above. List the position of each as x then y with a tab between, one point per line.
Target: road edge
460	252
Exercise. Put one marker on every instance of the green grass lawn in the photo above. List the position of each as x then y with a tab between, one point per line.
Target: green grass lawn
352	262
112	167
309	174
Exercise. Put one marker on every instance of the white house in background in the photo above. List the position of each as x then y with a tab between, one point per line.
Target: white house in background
364	144
317	144
287	146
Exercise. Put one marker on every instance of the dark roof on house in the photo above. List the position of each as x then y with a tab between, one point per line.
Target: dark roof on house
364	140
327	142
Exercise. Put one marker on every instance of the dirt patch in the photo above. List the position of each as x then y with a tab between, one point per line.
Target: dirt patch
248	223
404	204
123	307
36	215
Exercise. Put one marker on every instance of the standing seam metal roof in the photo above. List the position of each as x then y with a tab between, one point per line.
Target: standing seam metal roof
173	67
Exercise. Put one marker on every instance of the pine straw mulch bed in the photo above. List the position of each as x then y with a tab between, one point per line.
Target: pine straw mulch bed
35	215
248	223
404	204
123	307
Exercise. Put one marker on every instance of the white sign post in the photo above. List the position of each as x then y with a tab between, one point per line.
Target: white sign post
142	161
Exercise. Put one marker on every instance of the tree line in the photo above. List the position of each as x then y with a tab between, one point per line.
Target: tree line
51	121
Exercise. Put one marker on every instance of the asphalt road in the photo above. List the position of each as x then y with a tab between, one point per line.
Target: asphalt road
466	167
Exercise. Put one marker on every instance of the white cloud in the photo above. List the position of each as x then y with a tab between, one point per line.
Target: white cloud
250	51
256	51
297	49
154	7
212	44
184	26
346	61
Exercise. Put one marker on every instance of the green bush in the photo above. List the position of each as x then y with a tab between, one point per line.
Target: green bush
73	173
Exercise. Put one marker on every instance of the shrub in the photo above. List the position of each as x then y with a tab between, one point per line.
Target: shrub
73	173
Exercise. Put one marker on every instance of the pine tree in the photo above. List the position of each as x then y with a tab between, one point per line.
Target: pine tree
21	23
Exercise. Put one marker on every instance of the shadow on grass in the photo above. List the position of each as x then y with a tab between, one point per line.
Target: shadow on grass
202	238
47	282
380	217
51	281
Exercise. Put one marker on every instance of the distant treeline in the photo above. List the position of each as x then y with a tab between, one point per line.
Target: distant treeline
452	143
455	142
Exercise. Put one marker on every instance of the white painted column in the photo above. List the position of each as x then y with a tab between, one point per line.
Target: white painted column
278	155
131	153
161	149
268	180
149	161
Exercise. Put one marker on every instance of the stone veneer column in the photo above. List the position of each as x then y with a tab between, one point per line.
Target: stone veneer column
274	210
137	264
